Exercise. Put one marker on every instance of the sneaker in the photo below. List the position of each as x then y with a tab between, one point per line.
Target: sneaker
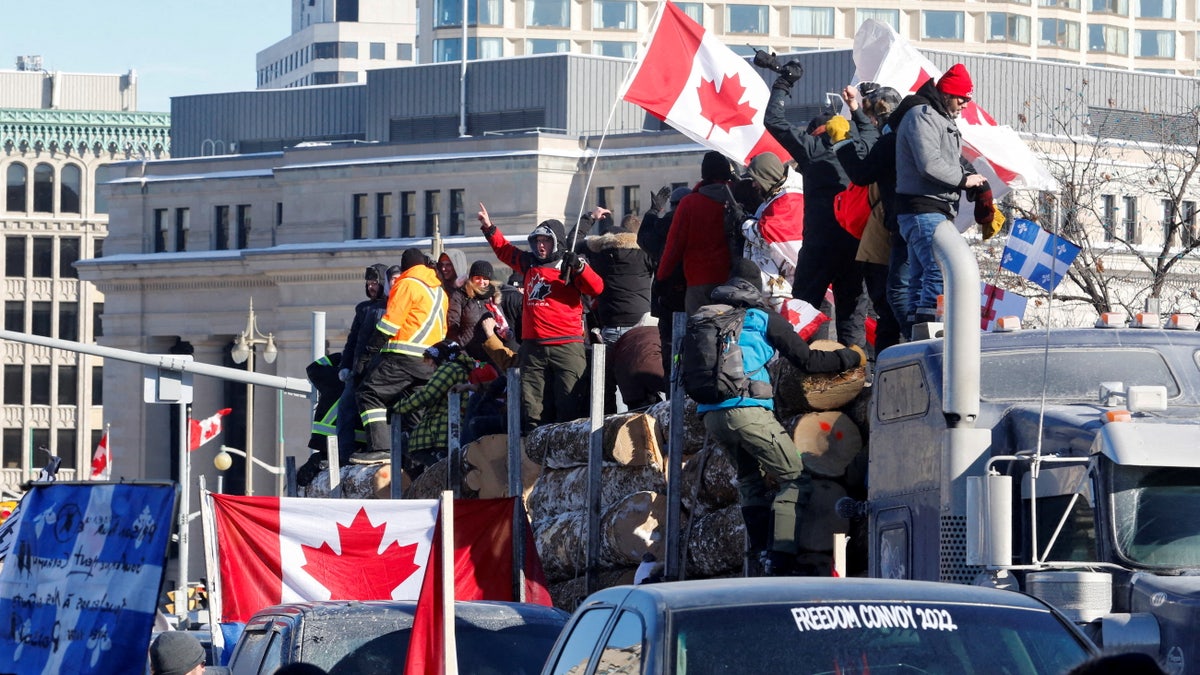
374	457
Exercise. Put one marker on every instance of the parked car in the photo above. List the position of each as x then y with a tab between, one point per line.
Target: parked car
815	625
369	638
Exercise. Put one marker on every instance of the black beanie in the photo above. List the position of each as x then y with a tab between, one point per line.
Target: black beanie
715	167
411	258
175	653
515	279
481	268
745	268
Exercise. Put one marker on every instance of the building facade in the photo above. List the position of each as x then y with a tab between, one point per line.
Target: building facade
56	132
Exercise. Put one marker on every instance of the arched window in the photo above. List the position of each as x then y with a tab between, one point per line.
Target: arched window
70	180
43	188
18	175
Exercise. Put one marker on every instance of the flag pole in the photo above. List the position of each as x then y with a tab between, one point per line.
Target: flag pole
185	471
450	649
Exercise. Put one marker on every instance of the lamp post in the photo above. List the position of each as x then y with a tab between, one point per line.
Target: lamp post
243	352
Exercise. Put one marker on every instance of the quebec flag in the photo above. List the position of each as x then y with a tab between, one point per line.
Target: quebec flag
1037	255
79	589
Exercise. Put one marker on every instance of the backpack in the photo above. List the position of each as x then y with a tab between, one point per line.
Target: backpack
711	366
852	209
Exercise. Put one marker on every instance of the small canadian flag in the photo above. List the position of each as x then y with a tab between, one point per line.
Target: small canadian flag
203	431
101	460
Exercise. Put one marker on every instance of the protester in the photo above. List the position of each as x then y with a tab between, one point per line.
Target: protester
666	297
930	177
323	374
427	443
697	239
827	256
415	319
637	367
773	236
552	354
749	432
468	304
176	653
447	269
350	433
487	411
512	302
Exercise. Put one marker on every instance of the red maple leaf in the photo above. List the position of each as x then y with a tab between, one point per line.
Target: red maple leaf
361	572
724	107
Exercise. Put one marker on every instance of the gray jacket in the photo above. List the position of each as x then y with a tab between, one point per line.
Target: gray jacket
928	157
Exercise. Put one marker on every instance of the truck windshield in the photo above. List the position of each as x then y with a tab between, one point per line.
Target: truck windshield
1149	506
1071	374
872	637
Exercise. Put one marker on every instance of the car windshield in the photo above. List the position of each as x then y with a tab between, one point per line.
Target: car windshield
876	638
1070	374
1147	506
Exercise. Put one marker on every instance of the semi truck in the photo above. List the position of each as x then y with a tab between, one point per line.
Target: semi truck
1063	463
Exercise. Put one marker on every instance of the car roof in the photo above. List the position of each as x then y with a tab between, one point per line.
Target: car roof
709	593
473	612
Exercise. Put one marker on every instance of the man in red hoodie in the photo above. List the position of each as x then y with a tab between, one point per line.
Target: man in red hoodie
553	358
697	236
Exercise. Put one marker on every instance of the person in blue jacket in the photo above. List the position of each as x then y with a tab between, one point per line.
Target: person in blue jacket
747	429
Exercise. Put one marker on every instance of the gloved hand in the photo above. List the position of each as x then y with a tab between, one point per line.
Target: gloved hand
791	71
862	356
837	128
344	374
993	227
659	200
768	60
573	262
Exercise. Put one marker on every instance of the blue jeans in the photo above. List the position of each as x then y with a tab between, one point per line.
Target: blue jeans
348	422
924	274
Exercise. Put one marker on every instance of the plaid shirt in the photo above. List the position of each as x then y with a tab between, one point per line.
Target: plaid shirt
431	430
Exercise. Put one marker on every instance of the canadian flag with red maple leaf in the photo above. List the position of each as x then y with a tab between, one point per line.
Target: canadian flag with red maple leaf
691	80
274	550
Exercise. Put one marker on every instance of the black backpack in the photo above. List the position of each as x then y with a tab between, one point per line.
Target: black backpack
711	369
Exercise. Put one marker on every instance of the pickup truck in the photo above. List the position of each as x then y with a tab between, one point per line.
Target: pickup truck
815	625
368	638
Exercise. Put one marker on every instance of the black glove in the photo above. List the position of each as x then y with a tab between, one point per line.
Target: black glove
658	200
767	60
789	74
573	262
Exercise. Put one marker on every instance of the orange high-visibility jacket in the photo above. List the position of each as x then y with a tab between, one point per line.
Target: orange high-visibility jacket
416	312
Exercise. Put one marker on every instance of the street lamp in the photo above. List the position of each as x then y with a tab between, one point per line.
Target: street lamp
243	352
223	461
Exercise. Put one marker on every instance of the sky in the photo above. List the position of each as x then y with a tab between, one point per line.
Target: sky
177	47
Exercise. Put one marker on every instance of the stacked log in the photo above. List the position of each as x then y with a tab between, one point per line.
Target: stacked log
359	481
693	426
716	543
827	441
628	439
485	468
560	491
629	528
797	392
709	480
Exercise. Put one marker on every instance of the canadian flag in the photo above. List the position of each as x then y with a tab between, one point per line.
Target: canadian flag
287	549
718	101
774	237
101	460
203	431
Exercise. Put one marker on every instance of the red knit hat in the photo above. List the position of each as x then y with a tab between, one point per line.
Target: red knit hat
956	82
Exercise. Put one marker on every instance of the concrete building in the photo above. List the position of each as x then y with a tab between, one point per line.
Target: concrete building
56	132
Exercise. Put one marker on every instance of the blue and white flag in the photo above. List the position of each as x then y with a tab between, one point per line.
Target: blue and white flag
79	590
1037	255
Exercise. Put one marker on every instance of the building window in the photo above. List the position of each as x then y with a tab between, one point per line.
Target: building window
43	188
65	448
408	214
433	212
97	385
543	46
404	51
615	14
604	197
548	13
1004	27
694	10
183	223
477	48
68	321
68	255
14	256
160	230
17	177
14	315
1155	43
70	181
14	385
1129	219
14	447
243	226
623	50
941	25
359	216
747	19
1062	4
68	385
1110	217
630	203
1108	39
1156	9
43	257
42	319
447	13
383	214
39	385
479	13
97	322
40	439
378	51
458	213
222	228
813	21
889	16
1059	33
1119	7
1187	225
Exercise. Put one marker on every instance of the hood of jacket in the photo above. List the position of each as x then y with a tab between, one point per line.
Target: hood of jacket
926	94
612	240
381	275
739	293
718	191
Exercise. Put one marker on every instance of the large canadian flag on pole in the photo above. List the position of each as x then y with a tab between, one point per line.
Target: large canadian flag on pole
695	83
203	431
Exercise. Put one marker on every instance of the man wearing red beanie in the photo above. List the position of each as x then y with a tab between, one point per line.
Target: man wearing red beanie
930	177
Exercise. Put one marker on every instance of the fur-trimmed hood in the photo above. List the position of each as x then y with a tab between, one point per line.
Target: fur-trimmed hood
612	240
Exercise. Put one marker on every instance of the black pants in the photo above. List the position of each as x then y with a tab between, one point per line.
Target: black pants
552	382
388	378
821	265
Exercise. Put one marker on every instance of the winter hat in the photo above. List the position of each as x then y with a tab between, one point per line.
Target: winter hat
744	268
393	271
443	351
767	171
175	653
816	126
481	268
515	279
411	258
715	167
372	273
956	82
550	228
678	194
